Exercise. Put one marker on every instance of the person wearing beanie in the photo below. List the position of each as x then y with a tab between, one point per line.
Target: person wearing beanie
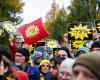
87	67
44	68
21	62
5	51
81	51
37	57
95	46
64	52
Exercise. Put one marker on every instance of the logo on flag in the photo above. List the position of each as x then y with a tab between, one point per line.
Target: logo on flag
33	31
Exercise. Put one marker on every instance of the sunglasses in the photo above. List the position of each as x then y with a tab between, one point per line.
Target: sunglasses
45	65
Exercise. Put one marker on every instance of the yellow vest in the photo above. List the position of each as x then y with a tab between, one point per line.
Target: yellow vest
41	77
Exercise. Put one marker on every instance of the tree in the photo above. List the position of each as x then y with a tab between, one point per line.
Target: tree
98	9
56	21
8	11
60	24
82	10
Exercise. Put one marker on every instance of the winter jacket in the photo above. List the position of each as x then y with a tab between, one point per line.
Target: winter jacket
32	71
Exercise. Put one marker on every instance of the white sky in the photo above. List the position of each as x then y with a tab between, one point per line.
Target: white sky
34	9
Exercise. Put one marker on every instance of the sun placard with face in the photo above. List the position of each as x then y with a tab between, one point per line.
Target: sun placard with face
77	44
97	25
80	31
52	44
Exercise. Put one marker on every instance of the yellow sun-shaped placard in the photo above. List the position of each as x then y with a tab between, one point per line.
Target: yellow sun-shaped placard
25	46
98	26
30	48
10	28
80	32
52	44
32	31
78	44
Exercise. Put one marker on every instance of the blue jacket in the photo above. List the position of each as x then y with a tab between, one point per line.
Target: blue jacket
46	76
32	71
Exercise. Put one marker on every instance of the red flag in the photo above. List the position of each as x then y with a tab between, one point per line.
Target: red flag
33	31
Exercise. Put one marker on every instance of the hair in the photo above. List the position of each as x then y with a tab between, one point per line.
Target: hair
67	63
24	52
66	50
96	44
7	63
4	50
79	53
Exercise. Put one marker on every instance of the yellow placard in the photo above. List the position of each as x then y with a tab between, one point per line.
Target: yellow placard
52	44
80	32
78	44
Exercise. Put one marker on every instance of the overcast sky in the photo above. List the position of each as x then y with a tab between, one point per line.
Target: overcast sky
34	9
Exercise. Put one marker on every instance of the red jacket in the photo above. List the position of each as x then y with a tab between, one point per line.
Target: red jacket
21	75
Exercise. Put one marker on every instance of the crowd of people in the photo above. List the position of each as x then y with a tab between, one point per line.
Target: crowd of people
83	65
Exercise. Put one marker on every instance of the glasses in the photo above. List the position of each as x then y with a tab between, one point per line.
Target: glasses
45	65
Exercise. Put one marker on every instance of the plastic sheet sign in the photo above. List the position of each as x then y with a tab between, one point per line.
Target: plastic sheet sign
97	25
9	27
52	44
80	31
77	44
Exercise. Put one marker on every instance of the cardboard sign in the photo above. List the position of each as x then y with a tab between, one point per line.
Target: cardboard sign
55	52
52	44
80	31
77	44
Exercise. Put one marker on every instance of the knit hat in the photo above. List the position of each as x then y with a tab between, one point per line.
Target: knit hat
96	44
85	49
23	51
43	62
90	61
66	50
37	54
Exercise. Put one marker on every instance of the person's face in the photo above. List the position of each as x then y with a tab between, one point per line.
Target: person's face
19	59
62	53
65	74
96	49
3	69
45	67
65	38
53	70
82	73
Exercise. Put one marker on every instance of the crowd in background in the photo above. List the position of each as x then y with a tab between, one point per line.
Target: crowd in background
83	65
